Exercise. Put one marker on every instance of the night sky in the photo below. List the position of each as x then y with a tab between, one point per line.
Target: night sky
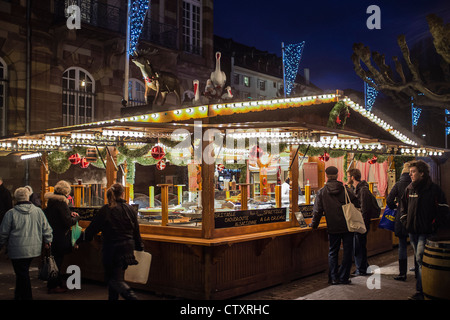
330	28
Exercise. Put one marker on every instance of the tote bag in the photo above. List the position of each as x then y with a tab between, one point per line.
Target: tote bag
388	219
139	273
353	216
47	268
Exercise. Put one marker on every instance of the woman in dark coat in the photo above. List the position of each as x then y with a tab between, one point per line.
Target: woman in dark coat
393	201
61	219
117	221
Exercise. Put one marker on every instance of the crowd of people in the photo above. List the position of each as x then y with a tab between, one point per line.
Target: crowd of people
422	211
29	232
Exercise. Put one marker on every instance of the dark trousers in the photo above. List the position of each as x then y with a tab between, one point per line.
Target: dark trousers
341	273
360	247
23	283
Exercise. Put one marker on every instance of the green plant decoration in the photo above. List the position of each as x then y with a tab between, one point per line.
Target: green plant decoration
338	116
58	161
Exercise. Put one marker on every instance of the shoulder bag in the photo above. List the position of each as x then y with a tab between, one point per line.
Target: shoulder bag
353	216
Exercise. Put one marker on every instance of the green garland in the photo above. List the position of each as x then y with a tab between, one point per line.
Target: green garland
58	162
340	110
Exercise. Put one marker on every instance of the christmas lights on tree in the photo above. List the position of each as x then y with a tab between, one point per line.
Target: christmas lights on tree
447	123
138	11
370	94
291	60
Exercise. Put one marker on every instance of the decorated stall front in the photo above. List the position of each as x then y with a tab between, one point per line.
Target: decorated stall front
216	214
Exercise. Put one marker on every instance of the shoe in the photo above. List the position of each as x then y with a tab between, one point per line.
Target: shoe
359	273
57	290
335	282
348	281
416	296
400	277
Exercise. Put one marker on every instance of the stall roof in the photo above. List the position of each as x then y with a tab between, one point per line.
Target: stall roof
299	118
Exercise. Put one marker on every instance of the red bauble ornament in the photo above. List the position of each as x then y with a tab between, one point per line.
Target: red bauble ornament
373	160
325	157
220	167
256	152
157	152
75	159
338	121
84	163
161	165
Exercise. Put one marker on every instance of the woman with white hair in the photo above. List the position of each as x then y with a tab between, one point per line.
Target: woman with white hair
24	228
61	219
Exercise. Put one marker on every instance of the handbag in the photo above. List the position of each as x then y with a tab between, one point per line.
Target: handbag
76	232
48	268
388	219
353	216
139	273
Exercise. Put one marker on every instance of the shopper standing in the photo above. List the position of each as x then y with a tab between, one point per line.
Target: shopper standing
24	228
117	221
393	202
368	211
424	206
61	219
329	200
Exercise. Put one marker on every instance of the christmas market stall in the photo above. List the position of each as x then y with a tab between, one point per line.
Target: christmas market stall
208	183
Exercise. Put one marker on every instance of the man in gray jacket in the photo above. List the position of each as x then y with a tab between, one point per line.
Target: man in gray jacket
24	227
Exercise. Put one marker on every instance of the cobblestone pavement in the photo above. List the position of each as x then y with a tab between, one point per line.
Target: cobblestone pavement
314	287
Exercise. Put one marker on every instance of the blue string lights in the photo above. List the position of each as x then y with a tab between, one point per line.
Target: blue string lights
138	11
447	122
415	113
370	94
292	55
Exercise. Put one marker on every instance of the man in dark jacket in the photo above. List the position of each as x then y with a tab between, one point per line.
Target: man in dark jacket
364	195
329	200
424	207
392	200
5	200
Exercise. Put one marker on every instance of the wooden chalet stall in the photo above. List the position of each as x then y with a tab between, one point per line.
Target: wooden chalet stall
239	244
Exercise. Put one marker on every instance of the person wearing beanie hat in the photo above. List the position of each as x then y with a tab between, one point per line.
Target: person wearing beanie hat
24	228
393	202
329	200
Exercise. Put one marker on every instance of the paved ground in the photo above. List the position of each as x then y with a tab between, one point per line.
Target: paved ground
282	299
314	287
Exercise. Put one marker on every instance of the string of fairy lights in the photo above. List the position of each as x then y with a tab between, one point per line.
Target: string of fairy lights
370	94
138	11
292	55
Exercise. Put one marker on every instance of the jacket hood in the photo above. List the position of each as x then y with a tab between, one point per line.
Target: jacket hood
56	197
362	184
24	207
334	186
405	177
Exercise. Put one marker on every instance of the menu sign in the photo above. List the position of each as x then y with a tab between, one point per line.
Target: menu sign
229	219
306	210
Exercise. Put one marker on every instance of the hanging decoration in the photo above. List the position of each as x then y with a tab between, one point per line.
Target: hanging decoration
58	162
157	152
84	163
325	157
138	11
161	165
75	158
373	160
256	152
370	94
220	167
338	116
292	55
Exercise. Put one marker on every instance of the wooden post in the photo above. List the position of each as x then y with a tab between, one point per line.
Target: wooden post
207	171
293	192
164	203
77	195
111	167
44	178
244	195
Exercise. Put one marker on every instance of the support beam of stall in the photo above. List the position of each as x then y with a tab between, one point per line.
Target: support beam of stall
207	192
293	175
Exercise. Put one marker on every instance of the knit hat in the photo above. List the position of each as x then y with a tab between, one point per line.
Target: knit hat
22	194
